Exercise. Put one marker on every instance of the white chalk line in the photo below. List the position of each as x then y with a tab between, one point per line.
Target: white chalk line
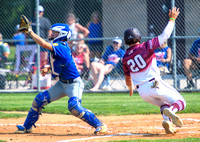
191	119
97	137
122	134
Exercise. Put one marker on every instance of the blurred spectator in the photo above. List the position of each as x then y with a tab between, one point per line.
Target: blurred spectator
19	36
163	57
81	59
107	63
84	46
75	27
44	24
45	32
193	63
4	52
96	31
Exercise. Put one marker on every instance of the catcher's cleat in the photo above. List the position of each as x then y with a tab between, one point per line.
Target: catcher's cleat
175	119
167	125
22	130
101	129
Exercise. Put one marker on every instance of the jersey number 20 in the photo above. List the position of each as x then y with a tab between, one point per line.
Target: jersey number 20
139	61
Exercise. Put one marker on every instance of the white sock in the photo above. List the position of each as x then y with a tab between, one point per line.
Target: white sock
173	109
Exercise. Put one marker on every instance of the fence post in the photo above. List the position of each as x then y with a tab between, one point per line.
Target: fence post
174	50
38	47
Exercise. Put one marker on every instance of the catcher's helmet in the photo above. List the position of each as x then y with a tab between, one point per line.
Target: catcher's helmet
132	35
64	31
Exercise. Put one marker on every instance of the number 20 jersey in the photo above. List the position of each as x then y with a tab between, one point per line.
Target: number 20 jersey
139	62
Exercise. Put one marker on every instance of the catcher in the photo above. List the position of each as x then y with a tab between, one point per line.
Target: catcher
70	84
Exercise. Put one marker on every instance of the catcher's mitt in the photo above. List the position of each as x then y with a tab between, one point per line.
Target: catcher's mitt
25	25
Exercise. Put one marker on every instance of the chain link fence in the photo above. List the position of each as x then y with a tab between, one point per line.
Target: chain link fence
110	18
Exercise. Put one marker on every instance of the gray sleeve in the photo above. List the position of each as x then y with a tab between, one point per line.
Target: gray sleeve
48	24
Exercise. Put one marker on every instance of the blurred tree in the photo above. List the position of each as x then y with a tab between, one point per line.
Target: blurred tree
10	15
55	10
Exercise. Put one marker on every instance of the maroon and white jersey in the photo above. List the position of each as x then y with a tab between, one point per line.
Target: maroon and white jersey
139	62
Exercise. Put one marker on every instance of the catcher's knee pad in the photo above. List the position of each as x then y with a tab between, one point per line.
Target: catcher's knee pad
40	100
75	107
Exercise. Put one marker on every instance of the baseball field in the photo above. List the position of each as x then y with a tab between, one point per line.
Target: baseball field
128	119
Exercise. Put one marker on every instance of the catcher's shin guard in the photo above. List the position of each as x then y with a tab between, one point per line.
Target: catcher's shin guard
40	100
74	106
31	118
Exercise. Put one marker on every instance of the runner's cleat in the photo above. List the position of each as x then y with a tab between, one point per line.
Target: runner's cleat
167	125
175	119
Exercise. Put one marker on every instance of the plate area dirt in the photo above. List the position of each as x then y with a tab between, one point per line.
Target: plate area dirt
67	128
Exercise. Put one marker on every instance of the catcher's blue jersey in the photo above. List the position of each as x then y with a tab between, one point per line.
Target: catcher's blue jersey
62	63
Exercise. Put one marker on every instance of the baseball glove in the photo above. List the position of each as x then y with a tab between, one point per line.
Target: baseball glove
25	25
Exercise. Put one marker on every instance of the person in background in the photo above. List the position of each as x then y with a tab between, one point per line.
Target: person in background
107	63
45	32
75	28
163	57
4	51
96	31
84	46
82	60
44	24
193	63
19	36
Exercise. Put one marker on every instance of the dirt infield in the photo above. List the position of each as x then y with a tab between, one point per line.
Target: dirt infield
65	128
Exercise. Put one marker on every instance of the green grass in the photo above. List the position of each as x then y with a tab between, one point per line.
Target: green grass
10	115
11	57
99	103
